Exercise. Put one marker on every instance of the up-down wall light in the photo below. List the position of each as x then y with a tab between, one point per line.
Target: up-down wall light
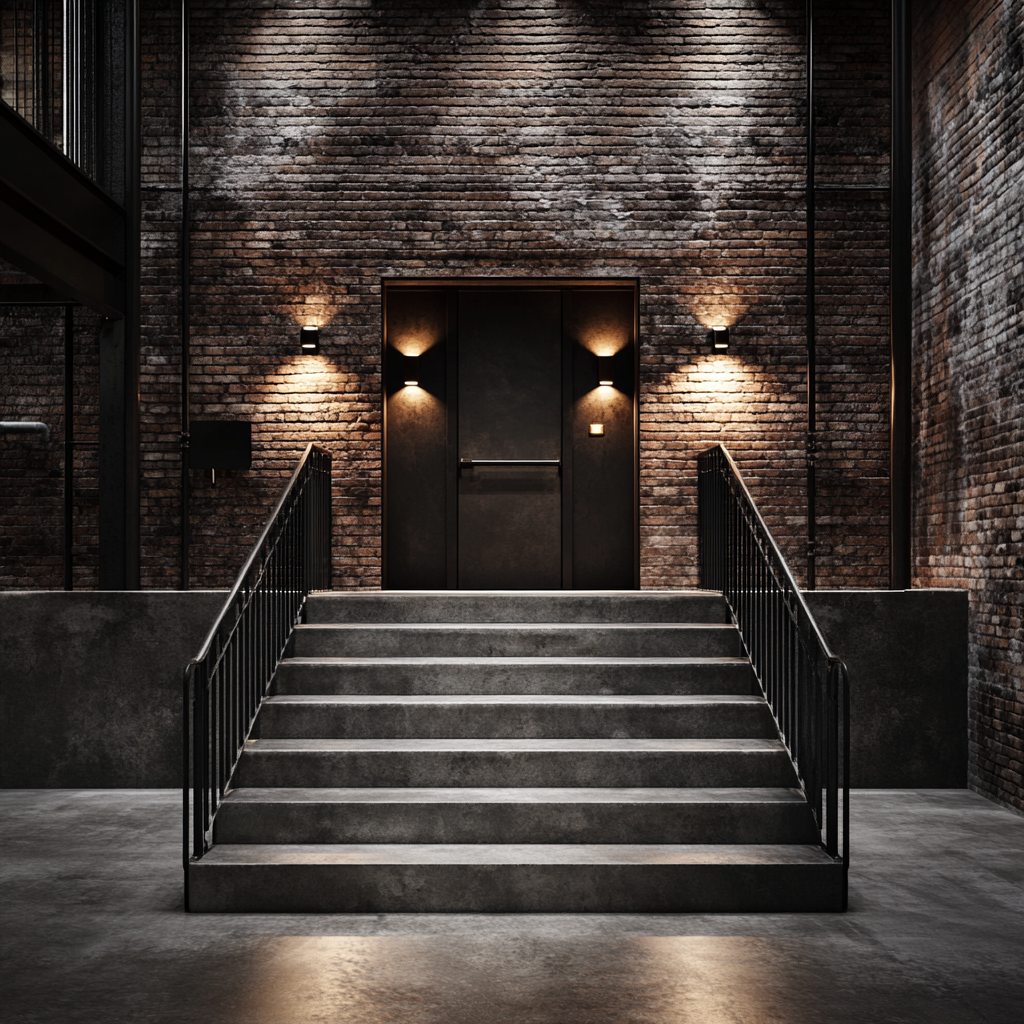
718	337
410	370
605	377
309	340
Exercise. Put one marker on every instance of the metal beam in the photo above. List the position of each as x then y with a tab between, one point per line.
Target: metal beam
900	303
133	291
31	295
55	223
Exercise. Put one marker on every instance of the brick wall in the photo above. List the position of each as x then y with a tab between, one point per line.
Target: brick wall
338	143
969	370
31	469
335	144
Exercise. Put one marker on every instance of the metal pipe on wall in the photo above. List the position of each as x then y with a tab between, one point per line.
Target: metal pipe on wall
900	311
185	315
69	443
812	396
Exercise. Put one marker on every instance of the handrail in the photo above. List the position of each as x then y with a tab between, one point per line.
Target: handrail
225	683
805	683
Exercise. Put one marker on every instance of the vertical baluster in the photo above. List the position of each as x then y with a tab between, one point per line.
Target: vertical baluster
759	601
200	744
789	685
832	683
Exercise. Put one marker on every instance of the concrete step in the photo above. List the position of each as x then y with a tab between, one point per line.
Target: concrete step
515	675
515	878
502	640
416	606
464	815
516	716
494	763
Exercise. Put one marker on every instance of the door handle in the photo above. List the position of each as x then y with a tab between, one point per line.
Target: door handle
470	463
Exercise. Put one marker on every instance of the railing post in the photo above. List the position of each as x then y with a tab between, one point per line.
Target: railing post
226	682
804	683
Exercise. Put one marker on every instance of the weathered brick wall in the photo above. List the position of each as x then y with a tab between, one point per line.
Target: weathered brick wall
338	143
969	368
31	469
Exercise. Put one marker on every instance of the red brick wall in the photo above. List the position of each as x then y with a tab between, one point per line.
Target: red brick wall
336	144
969	369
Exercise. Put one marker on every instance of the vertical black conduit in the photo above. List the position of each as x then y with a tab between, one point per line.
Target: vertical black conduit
185	316
812	444
900	313
69	442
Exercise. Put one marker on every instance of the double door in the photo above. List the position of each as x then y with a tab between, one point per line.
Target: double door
507	463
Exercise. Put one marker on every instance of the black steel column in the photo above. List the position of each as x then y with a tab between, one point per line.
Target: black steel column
69	444
812	396
185	285
900	312
113	503
119	358
133	291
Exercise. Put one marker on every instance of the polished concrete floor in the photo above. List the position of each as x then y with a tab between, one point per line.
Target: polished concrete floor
92	930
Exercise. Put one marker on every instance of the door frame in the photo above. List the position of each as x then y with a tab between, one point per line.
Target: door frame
452	285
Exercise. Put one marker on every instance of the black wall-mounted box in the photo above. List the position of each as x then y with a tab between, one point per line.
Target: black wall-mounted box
220	444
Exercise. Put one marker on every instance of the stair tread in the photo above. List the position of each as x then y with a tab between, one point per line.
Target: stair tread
512	795
611	745
603	627
342	854
488	662
559	595
699	700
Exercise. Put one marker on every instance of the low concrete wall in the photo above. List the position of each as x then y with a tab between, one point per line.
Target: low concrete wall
906	651
90	685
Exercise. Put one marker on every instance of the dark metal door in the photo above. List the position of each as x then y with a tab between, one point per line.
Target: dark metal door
510	436
510	439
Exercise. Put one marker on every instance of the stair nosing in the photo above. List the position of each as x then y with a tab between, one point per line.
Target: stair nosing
517	626
506	854
484	745
486	661
518	699
776	796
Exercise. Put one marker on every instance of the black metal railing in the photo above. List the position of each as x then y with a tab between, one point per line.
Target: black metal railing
805	684
225	683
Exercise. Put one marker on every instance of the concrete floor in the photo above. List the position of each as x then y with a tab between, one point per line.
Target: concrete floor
92	930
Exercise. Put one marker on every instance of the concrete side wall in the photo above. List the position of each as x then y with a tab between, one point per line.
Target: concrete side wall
906	652
90	686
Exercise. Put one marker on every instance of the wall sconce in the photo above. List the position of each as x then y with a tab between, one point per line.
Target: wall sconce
309	340
410	370
718	337
605	377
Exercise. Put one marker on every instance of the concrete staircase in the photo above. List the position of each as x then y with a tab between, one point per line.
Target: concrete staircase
515	752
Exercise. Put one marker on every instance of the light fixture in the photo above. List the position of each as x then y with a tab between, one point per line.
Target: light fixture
410	370
309	340
597	430
604	371
718	337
